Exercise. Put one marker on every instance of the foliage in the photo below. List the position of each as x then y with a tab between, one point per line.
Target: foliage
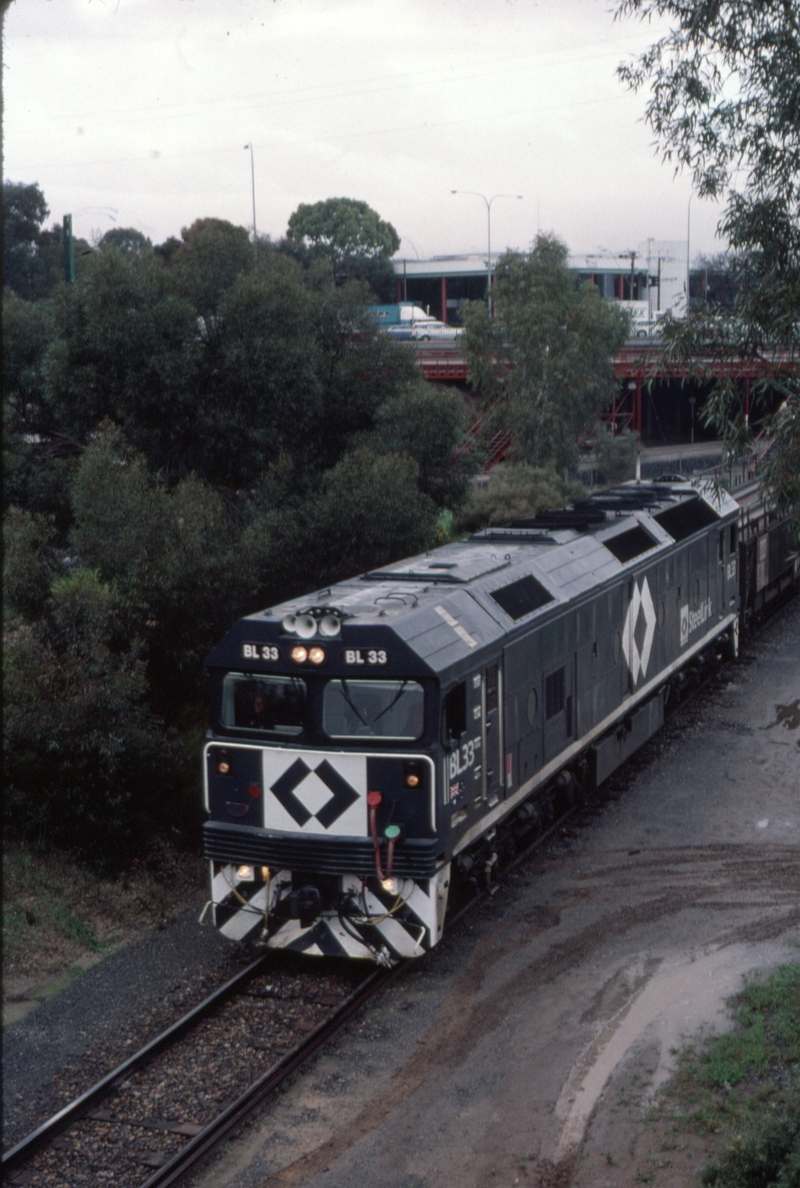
368	511
616	454
343	230
511	493
766	1156
24	211
178	569
556	339
87	764
30	562
427	424
212	255
723	103
126	239
191	431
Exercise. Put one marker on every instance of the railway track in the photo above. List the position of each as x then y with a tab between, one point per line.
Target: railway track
155	1117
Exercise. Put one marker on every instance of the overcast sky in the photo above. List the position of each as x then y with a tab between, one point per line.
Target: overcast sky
136	112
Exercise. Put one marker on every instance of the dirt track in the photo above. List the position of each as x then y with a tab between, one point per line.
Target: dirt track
526	1050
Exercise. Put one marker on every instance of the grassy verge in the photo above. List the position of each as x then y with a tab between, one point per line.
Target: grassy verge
59	917
744	1088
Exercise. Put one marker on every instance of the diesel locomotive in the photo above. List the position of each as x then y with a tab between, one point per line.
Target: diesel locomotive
376	742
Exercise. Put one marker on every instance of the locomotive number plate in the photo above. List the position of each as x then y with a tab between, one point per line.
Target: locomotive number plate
368	656
253	651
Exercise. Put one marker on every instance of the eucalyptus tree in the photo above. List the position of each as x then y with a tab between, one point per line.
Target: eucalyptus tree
545	357
724	103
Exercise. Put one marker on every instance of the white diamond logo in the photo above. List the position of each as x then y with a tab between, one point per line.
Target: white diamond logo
313	794
641	603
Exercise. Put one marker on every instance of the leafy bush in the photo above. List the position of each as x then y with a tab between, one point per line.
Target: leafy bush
511	493
616	454
87	765
766	1157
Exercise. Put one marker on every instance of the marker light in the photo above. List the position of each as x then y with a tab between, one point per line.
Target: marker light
316	655
244	873
374	799
392	832
264	871
254	790
389	885
412	780
299	655
223	764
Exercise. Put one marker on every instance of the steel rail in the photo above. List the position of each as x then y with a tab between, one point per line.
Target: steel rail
78	1108
202	1144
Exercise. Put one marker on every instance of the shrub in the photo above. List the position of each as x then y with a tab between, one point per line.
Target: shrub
87	765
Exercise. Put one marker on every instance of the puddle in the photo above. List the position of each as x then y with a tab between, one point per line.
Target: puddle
671	1000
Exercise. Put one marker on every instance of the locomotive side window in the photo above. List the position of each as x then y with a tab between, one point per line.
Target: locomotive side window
373	709
734	539
455	712
554	693
269	704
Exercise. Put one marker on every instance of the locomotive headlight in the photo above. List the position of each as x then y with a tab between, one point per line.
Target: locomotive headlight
223	767
244	873
299	654
316	655
389	885
412	780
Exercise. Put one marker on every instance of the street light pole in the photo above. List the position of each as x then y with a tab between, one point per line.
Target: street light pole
253	181
488	201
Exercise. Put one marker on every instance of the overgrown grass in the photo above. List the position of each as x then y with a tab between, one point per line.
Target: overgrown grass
41	902
745	1087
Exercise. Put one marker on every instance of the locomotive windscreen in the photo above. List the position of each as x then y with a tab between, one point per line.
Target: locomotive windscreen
272	704
372	709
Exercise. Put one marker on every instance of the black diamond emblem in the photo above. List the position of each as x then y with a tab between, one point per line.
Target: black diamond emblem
344	795
283	791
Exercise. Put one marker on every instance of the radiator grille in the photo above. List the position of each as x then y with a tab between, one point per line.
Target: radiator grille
413	858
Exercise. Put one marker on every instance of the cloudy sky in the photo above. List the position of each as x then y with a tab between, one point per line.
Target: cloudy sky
136	113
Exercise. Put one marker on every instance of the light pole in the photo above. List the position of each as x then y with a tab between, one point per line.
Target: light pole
253	181
488	201
688	236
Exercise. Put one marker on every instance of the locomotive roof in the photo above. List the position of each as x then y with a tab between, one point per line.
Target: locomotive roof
448	603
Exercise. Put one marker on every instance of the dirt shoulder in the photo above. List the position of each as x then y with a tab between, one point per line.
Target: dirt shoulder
530	1047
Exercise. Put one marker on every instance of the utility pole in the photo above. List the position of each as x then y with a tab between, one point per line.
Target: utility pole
69	251
253	181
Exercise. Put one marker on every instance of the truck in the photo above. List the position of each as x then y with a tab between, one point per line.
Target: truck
408	321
